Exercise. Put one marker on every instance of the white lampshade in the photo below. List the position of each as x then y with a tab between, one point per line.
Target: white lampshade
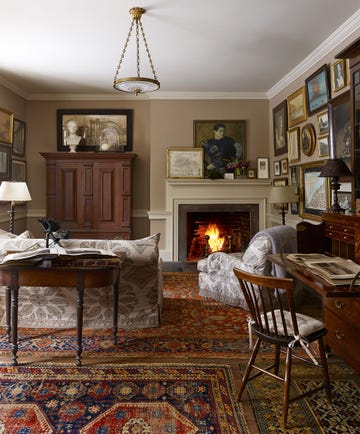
14	192
282	194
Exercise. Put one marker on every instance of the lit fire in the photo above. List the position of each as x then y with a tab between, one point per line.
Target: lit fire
215	242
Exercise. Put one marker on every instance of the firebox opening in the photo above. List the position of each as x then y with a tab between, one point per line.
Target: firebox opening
235	223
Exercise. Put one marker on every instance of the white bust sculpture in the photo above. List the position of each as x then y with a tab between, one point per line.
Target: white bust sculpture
71	138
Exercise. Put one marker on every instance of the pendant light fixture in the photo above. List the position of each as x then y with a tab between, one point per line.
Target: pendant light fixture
136	84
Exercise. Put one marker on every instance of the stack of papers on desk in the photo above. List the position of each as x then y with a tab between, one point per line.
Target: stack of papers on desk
336	270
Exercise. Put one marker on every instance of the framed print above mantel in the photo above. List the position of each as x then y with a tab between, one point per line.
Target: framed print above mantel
95	129
184	163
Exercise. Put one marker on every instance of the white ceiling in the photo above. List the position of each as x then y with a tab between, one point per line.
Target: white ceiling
73	46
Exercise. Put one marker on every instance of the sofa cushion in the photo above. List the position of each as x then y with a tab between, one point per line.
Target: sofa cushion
254	257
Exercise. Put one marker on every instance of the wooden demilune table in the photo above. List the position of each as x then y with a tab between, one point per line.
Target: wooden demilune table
340	310
78	277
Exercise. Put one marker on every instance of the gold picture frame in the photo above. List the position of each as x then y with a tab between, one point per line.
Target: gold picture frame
6	126
296	106
308	139
185	163
323	145
294	145
314	191
338	75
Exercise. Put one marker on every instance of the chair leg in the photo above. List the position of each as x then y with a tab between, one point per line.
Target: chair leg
248	368
277	359
325	369
287	382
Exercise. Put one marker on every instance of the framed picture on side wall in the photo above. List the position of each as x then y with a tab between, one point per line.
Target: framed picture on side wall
296	107
340	127
5	162
338	75
18	171
19	133
280	129
6	126
317	90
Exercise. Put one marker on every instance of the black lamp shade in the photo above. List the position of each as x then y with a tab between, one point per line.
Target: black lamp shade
335	167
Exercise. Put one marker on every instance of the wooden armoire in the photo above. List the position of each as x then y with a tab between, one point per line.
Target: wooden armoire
89	193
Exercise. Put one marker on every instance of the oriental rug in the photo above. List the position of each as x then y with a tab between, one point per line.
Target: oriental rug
136	398
190	327
313	414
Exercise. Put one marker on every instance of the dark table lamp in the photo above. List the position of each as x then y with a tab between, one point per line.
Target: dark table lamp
334	169
282	195
14	192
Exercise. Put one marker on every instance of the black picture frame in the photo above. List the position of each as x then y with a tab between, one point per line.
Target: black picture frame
317	90
5	162
280	126
294	180
97	127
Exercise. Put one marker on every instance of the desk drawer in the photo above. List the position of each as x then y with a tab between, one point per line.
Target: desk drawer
339	232
346	308
343	336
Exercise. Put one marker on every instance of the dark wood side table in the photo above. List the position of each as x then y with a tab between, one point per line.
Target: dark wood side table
79	277
340	310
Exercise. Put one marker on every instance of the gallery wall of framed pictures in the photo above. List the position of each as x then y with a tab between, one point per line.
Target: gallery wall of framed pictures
317	116
12	147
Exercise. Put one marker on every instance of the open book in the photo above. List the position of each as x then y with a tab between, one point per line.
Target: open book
332	268
37	255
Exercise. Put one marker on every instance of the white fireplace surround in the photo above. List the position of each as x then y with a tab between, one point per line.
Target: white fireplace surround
207	191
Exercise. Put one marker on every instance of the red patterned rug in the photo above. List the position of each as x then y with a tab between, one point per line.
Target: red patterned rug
190	327
136	398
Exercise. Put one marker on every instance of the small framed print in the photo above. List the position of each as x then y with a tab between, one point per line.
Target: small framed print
317	90
338	75
263	168
18	171
308	139
185	163
284	166
323	122
6	126
251	173
294	180
19	133
277	168
294	145
323	146
296	107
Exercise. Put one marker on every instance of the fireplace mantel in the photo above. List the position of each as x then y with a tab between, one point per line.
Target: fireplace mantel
207	191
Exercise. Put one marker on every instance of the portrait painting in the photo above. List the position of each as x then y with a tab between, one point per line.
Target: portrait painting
296	107
95	130
221	141
338	75
280	129
317	90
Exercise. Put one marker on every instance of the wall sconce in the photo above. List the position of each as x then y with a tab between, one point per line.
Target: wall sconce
334	169
14	192
282	195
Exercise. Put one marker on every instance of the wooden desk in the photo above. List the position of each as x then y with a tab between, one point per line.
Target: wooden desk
340	310
81	277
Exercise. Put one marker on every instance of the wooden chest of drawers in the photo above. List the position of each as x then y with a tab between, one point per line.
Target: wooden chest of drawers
341	316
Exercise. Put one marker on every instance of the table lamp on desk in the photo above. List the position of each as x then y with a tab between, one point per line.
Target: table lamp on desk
282	195
11	191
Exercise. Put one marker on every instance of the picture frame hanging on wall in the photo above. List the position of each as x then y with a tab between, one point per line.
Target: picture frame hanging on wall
5	162
294	145
317	90
213	136
263	168
18	170
6	126
19	135
338	75
296	106
314	191
96	129
340	127
280	126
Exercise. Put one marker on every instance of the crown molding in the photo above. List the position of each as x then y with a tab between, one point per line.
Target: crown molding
341	33
208	95
11	86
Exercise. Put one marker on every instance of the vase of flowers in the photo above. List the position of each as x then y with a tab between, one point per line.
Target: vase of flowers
237	167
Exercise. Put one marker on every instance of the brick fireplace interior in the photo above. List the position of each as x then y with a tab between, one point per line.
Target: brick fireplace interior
229	228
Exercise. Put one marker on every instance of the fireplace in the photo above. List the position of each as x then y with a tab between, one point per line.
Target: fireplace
228	195
205	228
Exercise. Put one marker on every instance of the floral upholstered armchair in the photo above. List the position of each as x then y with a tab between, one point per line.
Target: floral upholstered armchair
217	279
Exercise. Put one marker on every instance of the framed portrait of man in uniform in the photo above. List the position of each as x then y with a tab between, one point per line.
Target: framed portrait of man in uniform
222	141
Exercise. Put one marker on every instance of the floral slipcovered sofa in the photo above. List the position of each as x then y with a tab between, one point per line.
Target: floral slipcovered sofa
217	279
140	298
